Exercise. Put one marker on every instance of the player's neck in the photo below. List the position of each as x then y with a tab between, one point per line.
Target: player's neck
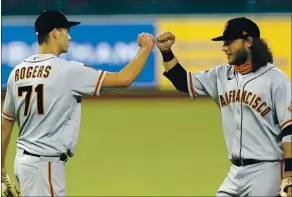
244	68
48	49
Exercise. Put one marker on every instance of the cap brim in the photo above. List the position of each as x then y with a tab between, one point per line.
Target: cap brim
73	23
220	38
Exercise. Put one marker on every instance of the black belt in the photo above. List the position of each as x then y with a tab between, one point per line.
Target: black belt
63	157
246	162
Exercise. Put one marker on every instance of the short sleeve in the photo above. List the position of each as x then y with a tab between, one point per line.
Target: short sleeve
283	104
9	106
203	83
84	79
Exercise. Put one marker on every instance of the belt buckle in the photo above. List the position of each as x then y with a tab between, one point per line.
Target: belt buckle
241	161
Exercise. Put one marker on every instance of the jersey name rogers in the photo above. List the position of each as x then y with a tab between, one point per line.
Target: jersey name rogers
246	97
32	72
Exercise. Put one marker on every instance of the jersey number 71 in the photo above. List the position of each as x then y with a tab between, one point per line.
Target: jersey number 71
39	90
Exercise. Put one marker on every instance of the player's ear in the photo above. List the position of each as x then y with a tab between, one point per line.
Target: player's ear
55	33
249	42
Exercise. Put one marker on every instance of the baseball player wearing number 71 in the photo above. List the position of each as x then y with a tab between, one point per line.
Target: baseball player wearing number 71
44	97
255	102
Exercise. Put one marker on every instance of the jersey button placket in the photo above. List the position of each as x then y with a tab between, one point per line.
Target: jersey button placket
237	114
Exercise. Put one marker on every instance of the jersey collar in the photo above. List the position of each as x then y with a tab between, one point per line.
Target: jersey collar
259	72
246	68
40	57
243	68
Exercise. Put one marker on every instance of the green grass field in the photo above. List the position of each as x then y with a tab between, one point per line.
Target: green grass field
146	148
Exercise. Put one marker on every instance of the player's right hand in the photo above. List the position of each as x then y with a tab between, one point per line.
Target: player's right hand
165	40
146	40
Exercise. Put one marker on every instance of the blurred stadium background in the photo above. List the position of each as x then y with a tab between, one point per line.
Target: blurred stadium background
147	140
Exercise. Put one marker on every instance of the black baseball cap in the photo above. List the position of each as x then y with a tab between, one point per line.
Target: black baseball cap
239	28
48	20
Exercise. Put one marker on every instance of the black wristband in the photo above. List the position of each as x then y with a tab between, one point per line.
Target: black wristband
288	165
167	55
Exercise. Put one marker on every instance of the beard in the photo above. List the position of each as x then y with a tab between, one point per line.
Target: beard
240	57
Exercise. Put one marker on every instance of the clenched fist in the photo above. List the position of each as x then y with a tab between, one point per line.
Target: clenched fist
145	40
165	40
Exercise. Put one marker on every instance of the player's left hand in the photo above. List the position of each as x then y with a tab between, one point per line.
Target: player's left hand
286	187
8	187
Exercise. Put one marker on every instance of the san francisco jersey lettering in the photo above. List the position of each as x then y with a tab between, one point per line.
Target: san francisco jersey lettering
248	98
248	110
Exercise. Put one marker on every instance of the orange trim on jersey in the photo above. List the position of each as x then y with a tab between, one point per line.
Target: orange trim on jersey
8	115
50	180
243	68
285	123
97	84
191	85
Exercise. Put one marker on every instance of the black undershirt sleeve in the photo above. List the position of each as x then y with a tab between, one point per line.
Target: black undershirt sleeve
178	77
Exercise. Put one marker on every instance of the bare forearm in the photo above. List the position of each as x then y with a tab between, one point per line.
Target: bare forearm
4	145
287	147
6	127
132	70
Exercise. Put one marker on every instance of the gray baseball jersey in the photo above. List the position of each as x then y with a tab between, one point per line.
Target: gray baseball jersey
43	96
254	108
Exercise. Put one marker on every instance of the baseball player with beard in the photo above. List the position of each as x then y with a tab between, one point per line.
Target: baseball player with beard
255	102
44	98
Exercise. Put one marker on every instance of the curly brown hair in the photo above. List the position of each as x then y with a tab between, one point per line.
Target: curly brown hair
260	53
